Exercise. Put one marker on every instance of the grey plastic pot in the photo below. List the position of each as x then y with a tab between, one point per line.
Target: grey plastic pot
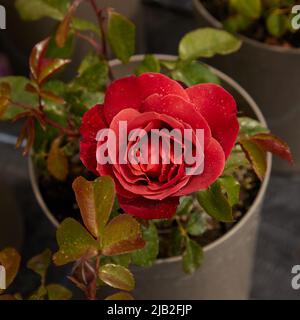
226	272
271	75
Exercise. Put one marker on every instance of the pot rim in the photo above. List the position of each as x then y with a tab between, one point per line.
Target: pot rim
217	24
256	203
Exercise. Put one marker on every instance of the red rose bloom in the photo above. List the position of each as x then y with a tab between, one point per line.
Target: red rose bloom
154	101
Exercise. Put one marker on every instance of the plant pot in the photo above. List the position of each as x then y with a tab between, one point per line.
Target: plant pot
227	268
271	75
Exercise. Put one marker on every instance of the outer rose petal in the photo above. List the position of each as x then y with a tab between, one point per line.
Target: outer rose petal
219	109
150	209
92	122
214	163
131	91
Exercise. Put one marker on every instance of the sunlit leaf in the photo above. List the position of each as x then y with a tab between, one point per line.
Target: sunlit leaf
57	161
74	242
58	292
192	257
120	296
207	42
95	200
121	36
117	277
10	260
215	204
122	235
256	156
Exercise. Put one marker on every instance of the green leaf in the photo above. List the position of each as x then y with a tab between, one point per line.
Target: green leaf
196	225
57	161
149	64
85	25
10	260
74	243
147	256
256	156
40	263
95	200
37	9
5	93
120	296
58	292
237	23
251	127
215	204
192	257
18	94
250	8
185	205
92	74
277	23
192	73
207	42
236	160
122	235
117	277
121	36
232	188
39	294
54	52
177	241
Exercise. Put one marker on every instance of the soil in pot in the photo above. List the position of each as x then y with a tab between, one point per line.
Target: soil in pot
257	30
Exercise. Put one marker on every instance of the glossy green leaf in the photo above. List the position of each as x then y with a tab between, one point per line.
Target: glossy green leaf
57	161
95	200
58	292
121	36
215	204
250	8
192	73
147	256
10	260
149	64
196	225
232	188
117	277
277	23
192	257
185	205
74	242
66	52
37	9
256	156
249	126
120	296
122	235
40	263
207	42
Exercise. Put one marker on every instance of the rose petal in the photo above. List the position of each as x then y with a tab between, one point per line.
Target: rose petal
214	163
149	209
219	109
92	122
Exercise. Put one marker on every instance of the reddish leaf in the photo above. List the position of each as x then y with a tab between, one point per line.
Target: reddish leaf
41	67
270	143
10	259
4	97
256	156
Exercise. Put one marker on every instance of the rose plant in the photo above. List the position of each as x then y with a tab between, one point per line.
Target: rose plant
61	121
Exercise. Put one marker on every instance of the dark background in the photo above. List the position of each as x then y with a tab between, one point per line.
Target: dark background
161	24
